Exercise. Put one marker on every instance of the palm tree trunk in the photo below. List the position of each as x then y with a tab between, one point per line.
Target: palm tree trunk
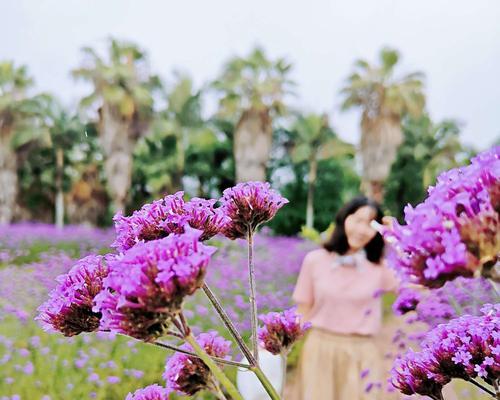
380	138
118	146
8	178
59	206
252	145
311	183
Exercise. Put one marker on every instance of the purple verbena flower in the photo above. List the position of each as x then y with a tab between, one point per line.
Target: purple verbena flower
69	308
166	216
148	283
153	221
281	330
414	374
406	301
462	348
152	392
203	215
187	374
248	205
455	231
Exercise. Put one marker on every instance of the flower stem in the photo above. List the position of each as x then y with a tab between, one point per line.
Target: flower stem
190	353
438	396
477	384
229	324
216	371
283	357
218	392
271	391
253	302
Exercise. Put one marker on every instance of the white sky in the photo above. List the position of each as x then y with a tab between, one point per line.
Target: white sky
456	43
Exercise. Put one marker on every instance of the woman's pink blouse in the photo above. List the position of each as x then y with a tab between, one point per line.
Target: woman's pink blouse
344	299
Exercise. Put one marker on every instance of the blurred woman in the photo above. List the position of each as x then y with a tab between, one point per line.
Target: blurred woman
338	291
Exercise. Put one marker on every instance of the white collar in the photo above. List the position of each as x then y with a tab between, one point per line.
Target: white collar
349	260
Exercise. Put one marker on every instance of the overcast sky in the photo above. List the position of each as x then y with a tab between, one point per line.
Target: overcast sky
456	43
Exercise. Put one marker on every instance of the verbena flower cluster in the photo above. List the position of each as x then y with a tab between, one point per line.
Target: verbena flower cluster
152	392
161	259
281	330
466	347
168	215
456	230
147	284
248	205
69	307
243	207
187	374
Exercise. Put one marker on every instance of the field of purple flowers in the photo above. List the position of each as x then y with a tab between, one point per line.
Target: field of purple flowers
37	365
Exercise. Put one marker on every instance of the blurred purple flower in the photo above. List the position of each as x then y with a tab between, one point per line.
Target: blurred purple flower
406	301
458	297
113	379
463	348
454	231
153	392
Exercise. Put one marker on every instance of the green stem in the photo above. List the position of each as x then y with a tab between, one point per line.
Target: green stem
218	392
496	385
253	302
216	371
283	358
271	391
485	389
190	353
439	396
229	324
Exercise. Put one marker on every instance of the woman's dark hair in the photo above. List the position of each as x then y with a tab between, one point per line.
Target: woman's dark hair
338	241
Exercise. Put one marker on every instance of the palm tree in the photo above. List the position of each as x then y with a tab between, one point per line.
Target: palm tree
384	100
123	92
313	141
252	91
428	149
64	131
160	157
18	125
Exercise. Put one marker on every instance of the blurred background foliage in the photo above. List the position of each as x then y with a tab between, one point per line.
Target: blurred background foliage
135	138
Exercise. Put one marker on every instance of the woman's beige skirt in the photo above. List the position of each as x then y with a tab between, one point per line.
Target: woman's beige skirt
331	368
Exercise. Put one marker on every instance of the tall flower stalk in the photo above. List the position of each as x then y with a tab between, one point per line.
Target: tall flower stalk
249	205
252	297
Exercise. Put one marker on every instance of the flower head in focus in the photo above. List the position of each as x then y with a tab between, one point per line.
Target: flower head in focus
167	216
248	205
69	307
148	283
187	374
281	330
